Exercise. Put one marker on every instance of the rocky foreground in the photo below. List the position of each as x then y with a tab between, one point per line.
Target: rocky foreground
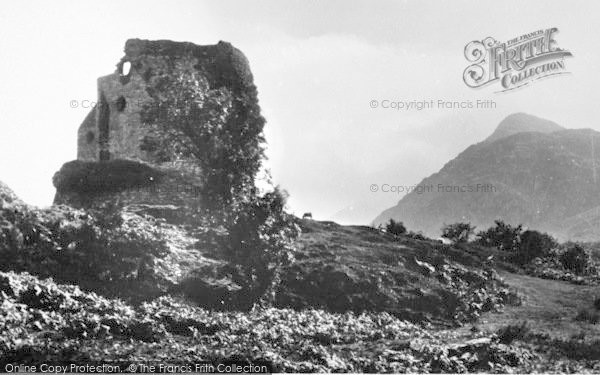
45	321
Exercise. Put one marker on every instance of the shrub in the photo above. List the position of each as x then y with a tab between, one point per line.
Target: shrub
417	236
503	236
585	315
458	232
395	227
575	259
107	176
533	244
105	251
98	252
258	244
510	333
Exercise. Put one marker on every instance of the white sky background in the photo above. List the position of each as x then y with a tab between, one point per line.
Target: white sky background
317	64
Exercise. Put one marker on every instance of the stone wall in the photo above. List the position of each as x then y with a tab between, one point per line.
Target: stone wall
87	138
114	129
177	194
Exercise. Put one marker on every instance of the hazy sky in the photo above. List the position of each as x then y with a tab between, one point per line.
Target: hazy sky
317	65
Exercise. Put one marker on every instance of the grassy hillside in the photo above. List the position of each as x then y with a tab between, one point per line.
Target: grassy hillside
357	268
548	306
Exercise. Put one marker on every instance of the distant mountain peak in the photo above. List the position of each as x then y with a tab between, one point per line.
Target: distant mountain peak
546	179
520	123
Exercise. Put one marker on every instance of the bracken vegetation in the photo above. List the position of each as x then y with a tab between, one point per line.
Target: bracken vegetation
44	321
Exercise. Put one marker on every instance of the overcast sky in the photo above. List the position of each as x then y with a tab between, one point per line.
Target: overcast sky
317	65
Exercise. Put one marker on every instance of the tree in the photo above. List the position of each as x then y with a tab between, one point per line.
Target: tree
259	243
458	232
503	236
219	129
395	227
533	244
575	258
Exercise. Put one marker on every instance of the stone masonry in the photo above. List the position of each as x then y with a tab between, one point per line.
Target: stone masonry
114	128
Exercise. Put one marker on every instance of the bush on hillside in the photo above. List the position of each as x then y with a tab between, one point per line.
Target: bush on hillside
533	244
395	227
510	333
458	232
258	244
503	236
99	252
106	176
575	259
588	316
417	236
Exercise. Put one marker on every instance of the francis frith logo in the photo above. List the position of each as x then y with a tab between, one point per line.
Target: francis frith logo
516	62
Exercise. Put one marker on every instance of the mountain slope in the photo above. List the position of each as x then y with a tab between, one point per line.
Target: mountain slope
544	180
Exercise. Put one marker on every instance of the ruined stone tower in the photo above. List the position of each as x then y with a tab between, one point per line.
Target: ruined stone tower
122	155
114	128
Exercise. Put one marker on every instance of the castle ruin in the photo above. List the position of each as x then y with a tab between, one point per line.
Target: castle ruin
114	128
112	141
